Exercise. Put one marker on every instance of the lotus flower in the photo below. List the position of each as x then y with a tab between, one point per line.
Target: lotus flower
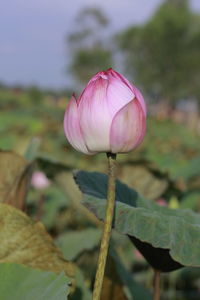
109	115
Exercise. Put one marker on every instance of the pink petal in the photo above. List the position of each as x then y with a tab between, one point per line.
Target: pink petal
135	90
128	128
101	74
72	127
140	98
95	118
120	77
118	94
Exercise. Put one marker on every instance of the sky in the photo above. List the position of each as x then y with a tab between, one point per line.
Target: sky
33	34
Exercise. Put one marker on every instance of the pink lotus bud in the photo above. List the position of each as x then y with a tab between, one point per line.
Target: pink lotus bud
109	116
39	180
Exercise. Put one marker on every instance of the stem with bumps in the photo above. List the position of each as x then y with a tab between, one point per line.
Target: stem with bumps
107	227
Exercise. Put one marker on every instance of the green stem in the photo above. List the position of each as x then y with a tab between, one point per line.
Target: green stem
107	227
156	285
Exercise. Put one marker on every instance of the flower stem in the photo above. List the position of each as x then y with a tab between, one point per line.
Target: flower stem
156	285
107	227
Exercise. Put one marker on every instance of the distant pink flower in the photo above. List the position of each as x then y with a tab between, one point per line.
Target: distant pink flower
161	202
39	180
138	255
109	115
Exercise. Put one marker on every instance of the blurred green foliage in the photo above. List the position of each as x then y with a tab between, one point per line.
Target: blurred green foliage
87	62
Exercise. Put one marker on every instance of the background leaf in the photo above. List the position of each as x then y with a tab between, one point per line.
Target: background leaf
141	177
74	243
133	289
113	287
82	291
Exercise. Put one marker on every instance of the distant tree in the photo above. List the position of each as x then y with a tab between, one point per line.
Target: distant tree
89	61
163	55
87	46
179	3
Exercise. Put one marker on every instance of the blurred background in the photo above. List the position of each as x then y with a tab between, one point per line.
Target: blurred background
49	49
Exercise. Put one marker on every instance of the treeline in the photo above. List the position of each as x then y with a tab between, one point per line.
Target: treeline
35	92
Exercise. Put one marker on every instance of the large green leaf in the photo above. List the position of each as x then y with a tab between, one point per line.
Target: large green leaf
21	283
153	226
